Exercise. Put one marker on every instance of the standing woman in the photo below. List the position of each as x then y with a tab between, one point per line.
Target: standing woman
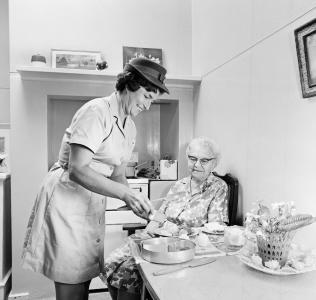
65	233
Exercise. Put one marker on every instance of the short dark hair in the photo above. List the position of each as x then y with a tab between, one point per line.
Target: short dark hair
133	82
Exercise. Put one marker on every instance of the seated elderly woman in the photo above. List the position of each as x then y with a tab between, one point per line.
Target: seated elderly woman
191	202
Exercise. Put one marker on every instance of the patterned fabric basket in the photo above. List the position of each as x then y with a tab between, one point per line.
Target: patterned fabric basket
275	246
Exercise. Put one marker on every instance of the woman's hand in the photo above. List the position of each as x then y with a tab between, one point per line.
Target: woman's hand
139	204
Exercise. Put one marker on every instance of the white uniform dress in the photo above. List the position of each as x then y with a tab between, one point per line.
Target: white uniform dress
65	233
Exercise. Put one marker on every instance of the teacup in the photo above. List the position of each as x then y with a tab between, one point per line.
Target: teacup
234	237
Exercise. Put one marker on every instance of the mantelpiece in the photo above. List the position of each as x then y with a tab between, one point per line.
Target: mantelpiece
46	73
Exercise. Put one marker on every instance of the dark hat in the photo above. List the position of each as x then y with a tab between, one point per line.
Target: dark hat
150	70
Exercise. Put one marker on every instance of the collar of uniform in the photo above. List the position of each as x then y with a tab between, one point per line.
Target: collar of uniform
115	112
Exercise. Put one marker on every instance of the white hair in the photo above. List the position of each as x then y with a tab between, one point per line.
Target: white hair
205	142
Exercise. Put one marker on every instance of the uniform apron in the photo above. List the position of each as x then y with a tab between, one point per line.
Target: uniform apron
65	233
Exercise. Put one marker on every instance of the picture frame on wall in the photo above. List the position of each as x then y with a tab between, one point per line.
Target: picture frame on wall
305	38
73	59
154	54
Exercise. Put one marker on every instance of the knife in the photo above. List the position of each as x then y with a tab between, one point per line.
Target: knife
195	263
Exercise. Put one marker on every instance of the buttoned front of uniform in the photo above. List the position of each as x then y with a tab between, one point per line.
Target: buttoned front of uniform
65	234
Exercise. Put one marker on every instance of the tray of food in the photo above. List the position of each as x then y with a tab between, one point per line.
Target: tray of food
184	233
160	226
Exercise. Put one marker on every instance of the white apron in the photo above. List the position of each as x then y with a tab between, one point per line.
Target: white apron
65	234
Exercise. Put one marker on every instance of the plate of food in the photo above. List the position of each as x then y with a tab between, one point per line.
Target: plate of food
214	228
273	268
170	229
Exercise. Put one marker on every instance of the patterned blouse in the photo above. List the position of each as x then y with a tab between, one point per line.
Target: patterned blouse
209	205
182	208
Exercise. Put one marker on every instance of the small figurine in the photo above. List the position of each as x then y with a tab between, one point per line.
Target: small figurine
38	60
101	65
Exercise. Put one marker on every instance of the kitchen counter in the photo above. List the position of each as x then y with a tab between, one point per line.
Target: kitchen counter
137	180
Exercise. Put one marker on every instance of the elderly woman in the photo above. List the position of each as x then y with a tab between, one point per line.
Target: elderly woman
65	234
192	201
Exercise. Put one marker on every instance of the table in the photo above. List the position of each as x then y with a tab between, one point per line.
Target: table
226	279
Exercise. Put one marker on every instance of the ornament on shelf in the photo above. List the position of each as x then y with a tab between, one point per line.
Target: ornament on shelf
38	60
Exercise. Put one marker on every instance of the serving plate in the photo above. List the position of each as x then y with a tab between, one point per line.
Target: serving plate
167	250
214	232
287	270
191	234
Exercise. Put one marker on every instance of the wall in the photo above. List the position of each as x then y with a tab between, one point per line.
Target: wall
103	26
4	78
37	27
250	99
4	65
169	130
5	227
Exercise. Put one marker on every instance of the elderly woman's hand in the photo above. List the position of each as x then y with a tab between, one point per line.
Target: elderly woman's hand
139	204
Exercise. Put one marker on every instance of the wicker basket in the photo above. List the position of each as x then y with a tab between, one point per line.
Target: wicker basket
275	246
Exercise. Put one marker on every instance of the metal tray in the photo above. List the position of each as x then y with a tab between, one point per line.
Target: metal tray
167	250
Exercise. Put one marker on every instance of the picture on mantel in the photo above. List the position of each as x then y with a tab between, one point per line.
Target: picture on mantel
153	54
70	59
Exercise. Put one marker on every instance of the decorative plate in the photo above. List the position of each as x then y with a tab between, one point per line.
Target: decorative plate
287	270
190	236
215	232
214	228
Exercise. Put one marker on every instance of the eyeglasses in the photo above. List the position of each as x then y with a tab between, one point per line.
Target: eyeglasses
203	161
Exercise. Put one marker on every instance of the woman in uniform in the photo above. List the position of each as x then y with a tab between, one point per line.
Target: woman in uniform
65	233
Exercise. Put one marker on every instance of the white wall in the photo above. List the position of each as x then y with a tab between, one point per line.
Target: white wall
4	64
37	26
104	25
252	104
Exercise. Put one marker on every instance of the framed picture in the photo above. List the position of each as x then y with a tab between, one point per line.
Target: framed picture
75	59
130	53
305	38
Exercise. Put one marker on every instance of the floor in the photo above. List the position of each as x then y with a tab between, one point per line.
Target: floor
100	296
97	283
97	296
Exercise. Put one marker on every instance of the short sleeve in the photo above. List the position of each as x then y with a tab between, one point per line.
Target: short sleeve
89	126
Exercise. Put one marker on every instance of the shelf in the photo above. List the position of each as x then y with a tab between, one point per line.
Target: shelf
46	73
